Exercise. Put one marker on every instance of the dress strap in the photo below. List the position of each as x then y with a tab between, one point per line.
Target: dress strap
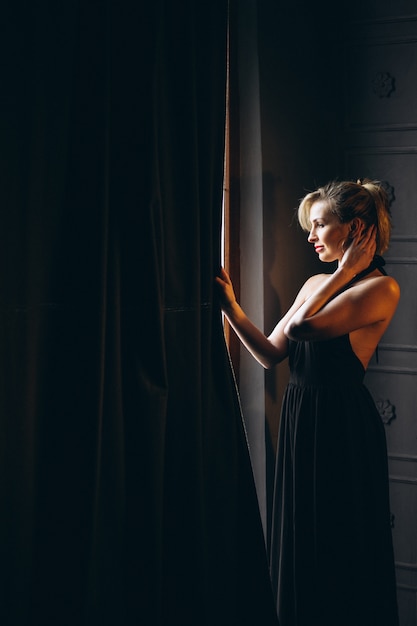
376	263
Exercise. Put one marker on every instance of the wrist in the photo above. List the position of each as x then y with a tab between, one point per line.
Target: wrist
345	273
233	312
229	308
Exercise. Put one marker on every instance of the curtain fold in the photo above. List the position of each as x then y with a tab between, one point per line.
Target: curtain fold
126	488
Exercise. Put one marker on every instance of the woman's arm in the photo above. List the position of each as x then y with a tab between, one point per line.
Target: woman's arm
323	316
268	351
328	313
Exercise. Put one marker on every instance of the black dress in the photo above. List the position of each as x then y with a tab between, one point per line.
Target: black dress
331	546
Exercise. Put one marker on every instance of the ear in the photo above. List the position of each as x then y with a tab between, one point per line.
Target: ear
355	225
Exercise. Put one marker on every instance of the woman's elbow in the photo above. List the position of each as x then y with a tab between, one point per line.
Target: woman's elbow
297	331
269	361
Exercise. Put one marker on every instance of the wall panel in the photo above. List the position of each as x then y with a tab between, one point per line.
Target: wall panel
380	142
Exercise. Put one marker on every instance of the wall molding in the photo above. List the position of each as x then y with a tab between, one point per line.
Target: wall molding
397	347
383	150
381	40
406	566
402	480
382	128
403	587
401	260
412	458
404	238
390	20
381	369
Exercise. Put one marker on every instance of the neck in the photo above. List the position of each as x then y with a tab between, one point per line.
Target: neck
376	263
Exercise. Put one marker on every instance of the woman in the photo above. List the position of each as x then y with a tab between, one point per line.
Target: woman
331	553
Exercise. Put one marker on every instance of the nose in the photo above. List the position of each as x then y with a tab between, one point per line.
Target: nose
311	236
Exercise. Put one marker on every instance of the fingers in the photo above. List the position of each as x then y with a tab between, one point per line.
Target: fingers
364	236
367	243
224	276
370	232
370	240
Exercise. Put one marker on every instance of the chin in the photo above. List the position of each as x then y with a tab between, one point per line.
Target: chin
328	258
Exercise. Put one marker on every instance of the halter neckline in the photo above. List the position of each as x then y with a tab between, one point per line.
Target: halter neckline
376	263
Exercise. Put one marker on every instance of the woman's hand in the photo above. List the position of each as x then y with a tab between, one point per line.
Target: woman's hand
268	353
359	254
225	290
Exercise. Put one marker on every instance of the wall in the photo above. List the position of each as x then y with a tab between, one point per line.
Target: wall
301	126
339	99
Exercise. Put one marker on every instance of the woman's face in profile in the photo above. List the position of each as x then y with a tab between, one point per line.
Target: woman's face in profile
327	233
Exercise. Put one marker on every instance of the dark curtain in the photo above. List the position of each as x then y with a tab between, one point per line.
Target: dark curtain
126	489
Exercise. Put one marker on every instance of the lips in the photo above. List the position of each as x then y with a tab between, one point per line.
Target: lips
318	248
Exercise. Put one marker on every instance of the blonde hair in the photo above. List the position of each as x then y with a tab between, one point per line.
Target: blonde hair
366	200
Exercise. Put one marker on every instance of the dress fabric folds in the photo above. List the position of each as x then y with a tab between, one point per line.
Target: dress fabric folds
331	549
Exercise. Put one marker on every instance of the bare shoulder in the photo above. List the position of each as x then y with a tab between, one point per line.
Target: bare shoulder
391	285
390	289
385	285
381	293
314	283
